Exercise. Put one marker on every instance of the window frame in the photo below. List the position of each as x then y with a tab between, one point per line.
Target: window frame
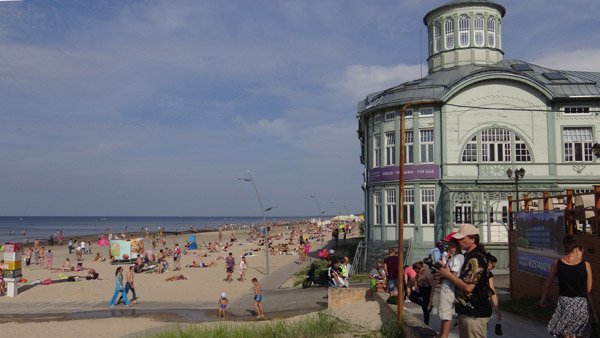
391	210
377	207
426	143
390	149
449	42
491	32
464	31
585	146
478	30
376	150
409	144
437	37
427	206
409	206
587	111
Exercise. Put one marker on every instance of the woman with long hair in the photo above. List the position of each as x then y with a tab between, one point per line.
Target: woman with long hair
119	289
573	315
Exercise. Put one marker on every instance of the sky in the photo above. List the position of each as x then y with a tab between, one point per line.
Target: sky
157	108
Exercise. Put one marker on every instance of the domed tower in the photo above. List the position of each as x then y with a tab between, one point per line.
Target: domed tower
464	32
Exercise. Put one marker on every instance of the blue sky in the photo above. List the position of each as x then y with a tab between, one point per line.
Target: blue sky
158	107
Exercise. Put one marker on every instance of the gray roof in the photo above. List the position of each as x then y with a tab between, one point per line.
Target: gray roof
556	85
463	3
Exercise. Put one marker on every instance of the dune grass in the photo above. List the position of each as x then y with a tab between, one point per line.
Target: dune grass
321	325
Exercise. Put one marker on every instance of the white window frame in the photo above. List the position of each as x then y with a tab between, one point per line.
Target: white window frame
449	33
408	113
577	144
426	143
491	31
428	206
390	115
376	150
377	118
464	32
437	37
377	207
426	112
522	153
478	33
409	206
577	110
391	211
409	154
495	145
469	153
390	148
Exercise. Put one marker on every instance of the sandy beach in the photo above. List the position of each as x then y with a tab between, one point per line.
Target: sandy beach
200	291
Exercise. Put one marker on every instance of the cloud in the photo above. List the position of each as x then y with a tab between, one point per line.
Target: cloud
580	59
278	127
360	80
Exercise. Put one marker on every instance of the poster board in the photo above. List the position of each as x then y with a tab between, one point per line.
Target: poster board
126	249
539	240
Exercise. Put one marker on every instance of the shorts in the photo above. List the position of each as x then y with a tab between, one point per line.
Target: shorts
392	285
229	270
258	298
446	306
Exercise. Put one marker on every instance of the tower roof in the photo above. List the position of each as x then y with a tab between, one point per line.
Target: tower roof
462	3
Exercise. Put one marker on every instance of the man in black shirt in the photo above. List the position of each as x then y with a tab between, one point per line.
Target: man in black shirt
390	266
472	298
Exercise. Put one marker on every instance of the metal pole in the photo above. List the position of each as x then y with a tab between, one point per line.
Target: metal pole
262	211
400	204
517	186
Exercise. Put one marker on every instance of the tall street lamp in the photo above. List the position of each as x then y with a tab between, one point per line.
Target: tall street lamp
262	211
519	174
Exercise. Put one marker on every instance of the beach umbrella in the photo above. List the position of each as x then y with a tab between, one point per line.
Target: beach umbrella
103	242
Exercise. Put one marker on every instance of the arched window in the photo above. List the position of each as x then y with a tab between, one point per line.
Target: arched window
449	33
437	37
478	30
491	32
496	145
463	31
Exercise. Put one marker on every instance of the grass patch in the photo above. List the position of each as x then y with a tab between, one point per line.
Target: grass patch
529	308
389	329
321	325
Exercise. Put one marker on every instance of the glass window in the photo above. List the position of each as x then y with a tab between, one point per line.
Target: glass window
389	116
426	138
427	206
491	31
377	211
576	111
409	206
390	206
408	113
577	144
390	148
437	37
409	147
426	111
449	32
377	118
478	30
496	145
377	150
463	31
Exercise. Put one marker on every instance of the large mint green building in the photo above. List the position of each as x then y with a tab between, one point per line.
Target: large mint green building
473	117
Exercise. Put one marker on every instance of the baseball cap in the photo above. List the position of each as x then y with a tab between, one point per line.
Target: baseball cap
466	230
223	295
449	236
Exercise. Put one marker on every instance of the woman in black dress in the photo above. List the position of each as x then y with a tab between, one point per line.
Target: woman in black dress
573	315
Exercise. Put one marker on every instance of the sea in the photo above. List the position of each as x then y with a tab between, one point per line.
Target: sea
28	228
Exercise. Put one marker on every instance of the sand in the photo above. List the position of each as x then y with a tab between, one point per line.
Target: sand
201	290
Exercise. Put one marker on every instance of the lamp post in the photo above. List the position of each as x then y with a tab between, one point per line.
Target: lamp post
519	174
262	211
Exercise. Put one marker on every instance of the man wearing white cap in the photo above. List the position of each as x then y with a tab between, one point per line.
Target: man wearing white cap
472	300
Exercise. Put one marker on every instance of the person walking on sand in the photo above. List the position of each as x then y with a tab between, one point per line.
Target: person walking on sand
49	259
129	284
176	258
243	268
574	312
229	265
258	299
119	289
223	303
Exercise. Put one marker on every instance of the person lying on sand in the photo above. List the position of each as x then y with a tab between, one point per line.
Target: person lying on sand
201	264
176	277
99	258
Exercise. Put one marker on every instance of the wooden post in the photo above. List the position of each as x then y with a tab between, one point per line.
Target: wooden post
570	212
511	221
400	204
527	200
546	201
597	207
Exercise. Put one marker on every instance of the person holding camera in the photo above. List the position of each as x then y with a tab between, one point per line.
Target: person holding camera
472	303
446	305
423	294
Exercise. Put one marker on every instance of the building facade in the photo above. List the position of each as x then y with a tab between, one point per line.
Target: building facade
471	119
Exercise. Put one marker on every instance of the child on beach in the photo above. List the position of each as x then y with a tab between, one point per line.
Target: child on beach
243	267
258	299
223	303
49	259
